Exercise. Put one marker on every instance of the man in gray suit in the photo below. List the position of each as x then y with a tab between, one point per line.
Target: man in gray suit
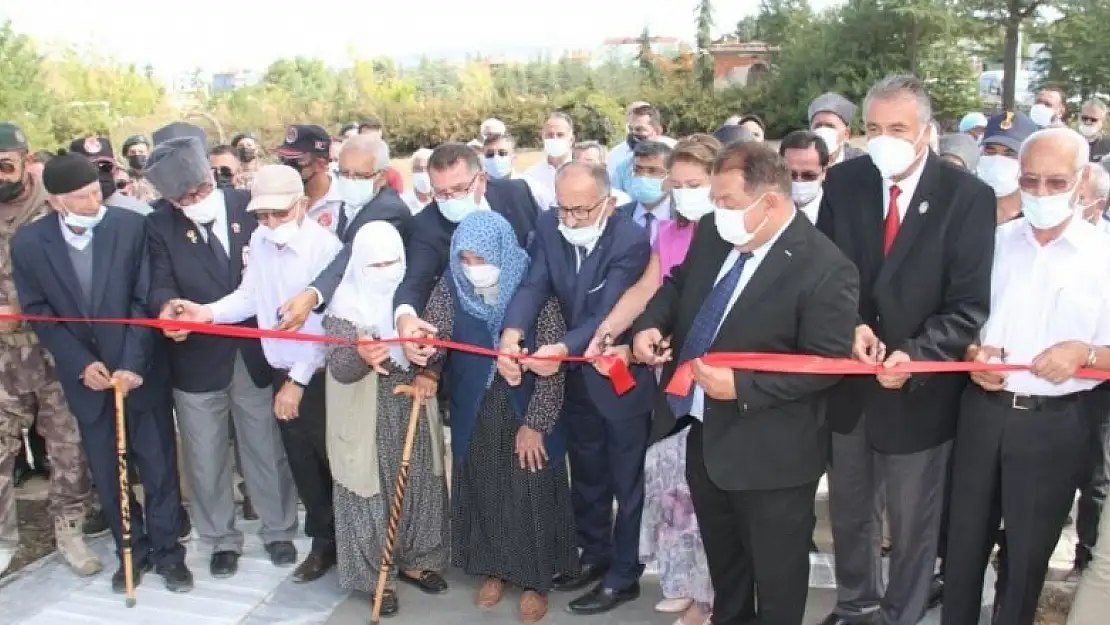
830	117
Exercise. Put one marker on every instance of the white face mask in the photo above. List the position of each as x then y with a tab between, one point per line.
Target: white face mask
283	234
482	276
204	211
1042	115
1047	211
1089	130
422	182
830	136
693	204
584	236
383	279
1000	172
804	192
355	193
731	225
893	156
556	148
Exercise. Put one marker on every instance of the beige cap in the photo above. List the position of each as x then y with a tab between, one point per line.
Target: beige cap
275	188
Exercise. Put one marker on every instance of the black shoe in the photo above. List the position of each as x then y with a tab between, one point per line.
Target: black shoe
813	546
315	565
186	528
429	582
390	605
248	510
588	574
119	584
282	553
836	619
96	524
224	564
21	474
602	599
936	591
178	578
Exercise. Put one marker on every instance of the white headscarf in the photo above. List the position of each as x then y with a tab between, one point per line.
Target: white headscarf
365	296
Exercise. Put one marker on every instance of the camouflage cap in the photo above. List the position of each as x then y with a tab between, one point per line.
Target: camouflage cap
12	138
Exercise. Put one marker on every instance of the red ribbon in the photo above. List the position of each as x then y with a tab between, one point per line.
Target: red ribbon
619	375
683	378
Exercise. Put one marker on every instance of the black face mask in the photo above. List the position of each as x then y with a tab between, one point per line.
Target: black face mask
11	190
136	162
633	141
224	178
247	155
107	186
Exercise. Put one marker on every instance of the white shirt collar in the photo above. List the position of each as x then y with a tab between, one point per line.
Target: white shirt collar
908	185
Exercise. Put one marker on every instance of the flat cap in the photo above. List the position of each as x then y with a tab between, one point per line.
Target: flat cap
962	146
833	103
179	129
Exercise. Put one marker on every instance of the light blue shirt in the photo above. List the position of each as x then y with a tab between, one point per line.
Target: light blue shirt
662	212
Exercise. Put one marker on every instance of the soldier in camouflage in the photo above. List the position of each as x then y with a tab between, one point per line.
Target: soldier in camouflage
246	148
28	384
136	150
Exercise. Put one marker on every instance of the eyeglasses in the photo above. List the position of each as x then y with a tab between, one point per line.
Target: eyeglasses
457	192
493	153
194	196
7	167
1087	119
123	184
1053	184
295	162
578	212
270	215
223	172
804	176
106	167
358	175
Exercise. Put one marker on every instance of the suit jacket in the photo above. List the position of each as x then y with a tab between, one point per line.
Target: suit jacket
802	299
586	296
385	206
928	298
851	152
183	266
47	285
428	246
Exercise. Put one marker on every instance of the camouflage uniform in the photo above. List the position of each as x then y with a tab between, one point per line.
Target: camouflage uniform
28	389
246	176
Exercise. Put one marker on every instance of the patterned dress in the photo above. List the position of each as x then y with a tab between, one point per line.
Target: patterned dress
508	522
361	522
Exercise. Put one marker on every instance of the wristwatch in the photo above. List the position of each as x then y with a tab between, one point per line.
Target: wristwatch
296	383
1092	357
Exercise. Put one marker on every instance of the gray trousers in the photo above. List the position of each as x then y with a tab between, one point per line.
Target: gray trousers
204	422
912	487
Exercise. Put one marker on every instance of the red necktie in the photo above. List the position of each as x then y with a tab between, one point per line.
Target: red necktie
890	227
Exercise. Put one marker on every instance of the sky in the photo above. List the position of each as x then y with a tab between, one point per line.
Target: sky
217	35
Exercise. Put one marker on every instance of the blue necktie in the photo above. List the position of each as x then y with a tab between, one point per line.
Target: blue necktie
704	328
648	218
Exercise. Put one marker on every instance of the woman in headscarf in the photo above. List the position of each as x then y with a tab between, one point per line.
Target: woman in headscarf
511	514
669	533
366	430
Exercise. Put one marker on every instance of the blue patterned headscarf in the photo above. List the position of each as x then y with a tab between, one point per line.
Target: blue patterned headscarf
490	236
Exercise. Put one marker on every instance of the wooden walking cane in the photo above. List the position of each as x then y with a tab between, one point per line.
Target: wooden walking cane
124	496
398	499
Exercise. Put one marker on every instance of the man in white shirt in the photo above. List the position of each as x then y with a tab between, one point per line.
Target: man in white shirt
807	155
307	149
286	252
558	138
1022	442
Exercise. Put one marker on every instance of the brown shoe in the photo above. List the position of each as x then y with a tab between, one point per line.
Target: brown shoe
490	593
533	606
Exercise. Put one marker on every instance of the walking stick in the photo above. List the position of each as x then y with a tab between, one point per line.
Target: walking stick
124	496
398	499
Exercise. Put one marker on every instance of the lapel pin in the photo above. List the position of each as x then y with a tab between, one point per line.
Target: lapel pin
246	255
788	254
235	228
191	235
923	208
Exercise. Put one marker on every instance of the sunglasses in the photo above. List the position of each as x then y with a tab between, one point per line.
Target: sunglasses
7	167
804	176
1054	184
222	172
106	167
493	153
122	184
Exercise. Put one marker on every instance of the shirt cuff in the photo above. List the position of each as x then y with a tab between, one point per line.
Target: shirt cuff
319	298
302	373
220	312
403	309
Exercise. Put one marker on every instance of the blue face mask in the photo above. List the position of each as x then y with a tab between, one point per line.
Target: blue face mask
498	166
646	190
87	222
454	210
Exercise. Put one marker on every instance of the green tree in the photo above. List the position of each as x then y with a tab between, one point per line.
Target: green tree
1077	49
703	15
24	98
1009	16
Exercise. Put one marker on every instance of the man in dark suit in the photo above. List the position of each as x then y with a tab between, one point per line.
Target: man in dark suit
459	186
921	233
759	278
198	245
587	257
91	262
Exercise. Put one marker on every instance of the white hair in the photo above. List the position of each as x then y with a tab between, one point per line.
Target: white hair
1095	103
1099	179
367	144
901	86
423	154
492	126
1082	148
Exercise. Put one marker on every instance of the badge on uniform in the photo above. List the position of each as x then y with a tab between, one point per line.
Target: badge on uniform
324	220
923	207
235	229
191	235
291	134
1007	122
92	145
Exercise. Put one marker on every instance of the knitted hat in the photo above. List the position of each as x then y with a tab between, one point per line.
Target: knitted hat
177	166
68	172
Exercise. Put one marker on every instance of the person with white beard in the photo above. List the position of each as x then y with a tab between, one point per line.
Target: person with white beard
998	166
